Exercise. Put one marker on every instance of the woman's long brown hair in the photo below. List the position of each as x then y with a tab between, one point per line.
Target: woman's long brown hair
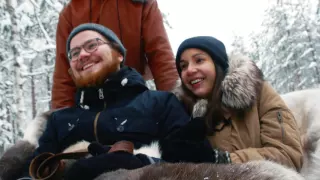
214	115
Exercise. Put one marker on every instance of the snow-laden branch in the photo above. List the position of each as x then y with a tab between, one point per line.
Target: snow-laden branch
44	48
35	4
57	9
44	99
42	70
306	52
8	60
46	35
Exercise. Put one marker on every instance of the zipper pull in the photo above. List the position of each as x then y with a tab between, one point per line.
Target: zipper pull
101	96
279	117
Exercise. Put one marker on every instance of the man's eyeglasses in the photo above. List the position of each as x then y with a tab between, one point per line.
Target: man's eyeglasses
89	46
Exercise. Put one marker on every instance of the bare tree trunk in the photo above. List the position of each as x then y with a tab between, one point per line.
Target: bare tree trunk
297	75
279	2
318	9
257	53
48	79
46	35
314	58
17	87
15	52
33	93
318	14
311	44
297	78
9	119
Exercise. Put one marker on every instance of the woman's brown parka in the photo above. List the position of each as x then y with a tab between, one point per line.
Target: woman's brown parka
268	129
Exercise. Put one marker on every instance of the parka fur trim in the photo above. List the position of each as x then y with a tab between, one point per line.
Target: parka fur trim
240	88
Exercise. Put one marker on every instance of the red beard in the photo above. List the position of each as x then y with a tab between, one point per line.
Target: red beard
95	78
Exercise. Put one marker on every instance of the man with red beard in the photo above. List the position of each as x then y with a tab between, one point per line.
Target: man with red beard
113	104
139	26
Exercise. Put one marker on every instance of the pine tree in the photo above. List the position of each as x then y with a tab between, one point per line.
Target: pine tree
287	46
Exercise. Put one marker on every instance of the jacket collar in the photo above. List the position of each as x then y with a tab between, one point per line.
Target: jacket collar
240	88
123	85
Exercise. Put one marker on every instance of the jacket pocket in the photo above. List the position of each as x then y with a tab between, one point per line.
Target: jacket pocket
132	120
66	129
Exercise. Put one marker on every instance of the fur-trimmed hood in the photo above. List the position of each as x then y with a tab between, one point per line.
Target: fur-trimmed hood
240	87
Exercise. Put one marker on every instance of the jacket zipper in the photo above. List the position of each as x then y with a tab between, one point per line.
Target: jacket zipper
95	126
279	116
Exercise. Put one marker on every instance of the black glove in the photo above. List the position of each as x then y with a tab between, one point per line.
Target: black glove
192	151
96	148
194	130
94	166
186	144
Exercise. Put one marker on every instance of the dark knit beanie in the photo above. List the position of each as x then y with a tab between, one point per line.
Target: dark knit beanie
210	45
104	31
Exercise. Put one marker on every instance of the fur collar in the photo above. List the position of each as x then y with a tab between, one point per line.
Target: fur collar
36	127
240	88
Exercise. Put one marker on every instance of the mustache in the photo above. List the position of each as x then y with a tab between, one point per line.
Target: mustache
95	78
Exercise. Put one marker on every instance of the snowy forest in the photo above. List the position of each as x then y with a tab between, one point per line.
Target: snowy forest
287	49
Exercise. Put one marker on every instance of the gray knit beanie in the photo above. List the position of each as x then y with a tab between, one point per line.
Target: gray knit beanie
104	31
214	47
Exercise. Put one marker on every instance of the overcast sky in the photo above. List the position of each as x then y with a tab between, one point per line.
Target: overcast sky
218	18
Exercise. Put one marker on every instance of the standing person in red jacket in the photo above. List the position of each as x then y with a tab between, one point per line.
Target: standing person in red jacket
138	24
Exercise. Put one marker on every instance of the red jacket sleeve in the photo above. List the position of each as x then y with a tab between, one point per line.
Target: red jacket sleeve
63	89
158	48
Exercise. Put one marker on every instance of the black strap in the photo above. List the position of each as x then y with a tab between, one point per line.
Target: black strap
46	165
